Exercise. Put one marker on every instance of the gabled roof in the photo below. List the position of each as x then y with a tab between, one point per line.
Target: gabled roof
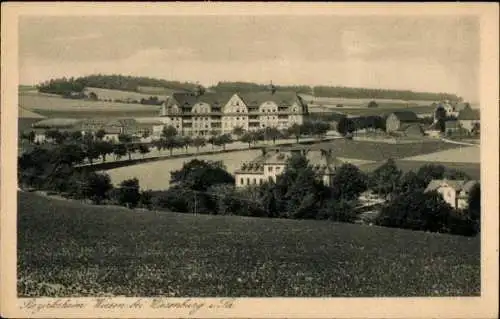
406	116
469	114
188	99
254	99
457	185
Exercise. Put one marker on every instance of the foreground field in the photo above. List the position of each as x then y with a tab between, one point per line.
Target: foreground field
87	251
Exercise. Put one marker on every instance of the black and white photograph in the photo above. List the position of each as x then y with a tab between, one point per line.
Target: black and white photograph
165	158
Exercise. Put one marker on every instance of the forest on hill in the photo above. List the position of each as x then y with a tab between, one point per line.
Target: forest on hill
337	91
71	87
68	86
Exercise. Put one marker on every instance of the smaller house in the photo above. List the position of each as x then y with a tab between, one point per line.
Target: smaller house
454	192
469	119
396	120
451	126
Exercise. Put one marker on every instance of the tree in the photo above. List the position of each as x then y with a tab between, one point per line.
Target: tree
54	135
76	137
129	193
345	126
200	175
372	104
428	172
119	150
91	150
295	130
272	133
338	211
297	193
238	131
146	199
93	96
417	211
385	180
222	140
319	128
198	142
143	149
126	139
100	134
103	148
248	137
171	143
96	186
168	132
474	205
348	182
186	141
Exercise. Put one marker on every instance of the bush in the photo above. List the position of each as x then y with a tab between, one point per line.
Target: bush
128	193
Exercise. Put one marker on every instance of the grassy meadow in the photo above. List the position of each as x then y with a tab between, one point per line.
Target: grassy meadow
123	95
54	106
84	250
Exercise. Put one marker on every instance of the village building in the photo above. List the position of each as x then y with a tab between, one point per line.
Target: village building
273	161
60	124
469	119
454	192
205	114
396	120
451	126
411	130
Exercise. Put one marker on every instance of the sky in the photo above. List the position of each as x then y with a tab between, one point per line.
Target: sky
426	53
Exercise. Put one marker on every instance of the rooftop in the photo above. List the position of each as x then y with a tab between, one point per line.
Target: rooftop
406	116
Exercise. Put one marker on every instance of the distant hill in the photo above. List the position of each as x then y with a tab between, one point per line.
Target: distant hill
67	86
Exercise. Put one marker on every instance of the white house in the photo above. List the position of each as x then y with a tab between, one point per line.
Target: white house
454	192
272	163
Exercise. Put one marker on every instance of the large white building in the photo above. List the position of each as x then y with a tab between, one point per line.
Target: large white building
202	114
273	161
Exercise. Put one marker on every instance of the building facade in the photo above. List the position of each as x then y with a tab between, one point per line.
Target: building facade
396	120
213	113
469	119
272	163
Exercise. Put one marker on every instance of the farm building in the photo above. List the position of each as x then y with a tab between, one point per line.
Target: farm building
469	119
273	162
412	130
454	192
112	128
201	114
61	125
396	120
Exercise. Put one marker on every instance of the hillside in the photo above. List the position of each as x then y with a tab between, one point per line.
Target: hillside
64	86
121	252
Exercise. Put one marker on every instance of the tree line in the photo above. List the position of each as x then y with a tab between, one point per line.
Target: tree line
336	91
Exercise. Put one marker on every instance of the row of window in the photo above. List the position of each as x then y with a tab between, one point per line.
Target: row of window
253	181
